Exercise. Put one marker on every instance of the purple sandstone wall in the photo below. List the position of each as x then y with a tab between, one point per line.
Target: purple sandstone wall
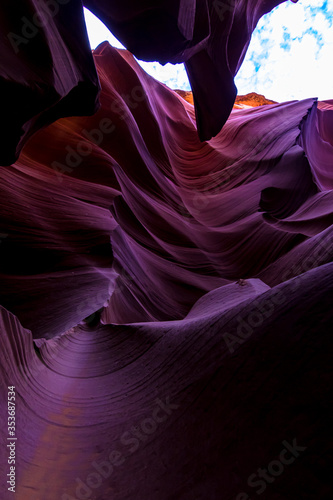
204	267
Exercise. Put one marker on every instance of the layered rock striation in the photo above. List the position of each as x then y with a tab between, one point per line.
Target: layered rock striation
166	316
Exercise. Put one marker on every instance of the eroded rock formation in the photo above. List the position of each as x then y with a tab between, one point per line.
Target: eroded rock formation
165	318
211	266
251	100
47	70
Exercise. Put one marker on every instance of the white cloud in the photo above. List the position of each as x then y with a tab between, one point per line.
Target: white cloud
290	55
98	32
174	75
299	41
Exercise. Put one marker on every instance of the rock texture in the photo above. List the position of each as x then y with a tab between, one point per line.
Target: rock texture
47	70
185	94
251	100
166	303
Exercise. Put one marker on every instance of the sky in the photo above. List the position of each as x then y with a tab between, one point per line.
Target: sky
290	55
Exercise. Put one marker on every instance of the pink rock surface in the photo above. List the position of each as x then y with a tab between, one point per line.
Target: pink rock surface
165	310
186	216
47	71
173	410
206	271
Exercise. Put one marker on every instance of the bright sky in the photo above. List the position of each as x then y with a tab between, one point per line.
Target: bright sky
290	55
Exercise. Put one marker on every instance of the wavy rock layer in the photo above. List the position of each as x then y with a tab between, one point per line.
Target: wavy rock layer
167	410
206	272
251	100
47	71
187	217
